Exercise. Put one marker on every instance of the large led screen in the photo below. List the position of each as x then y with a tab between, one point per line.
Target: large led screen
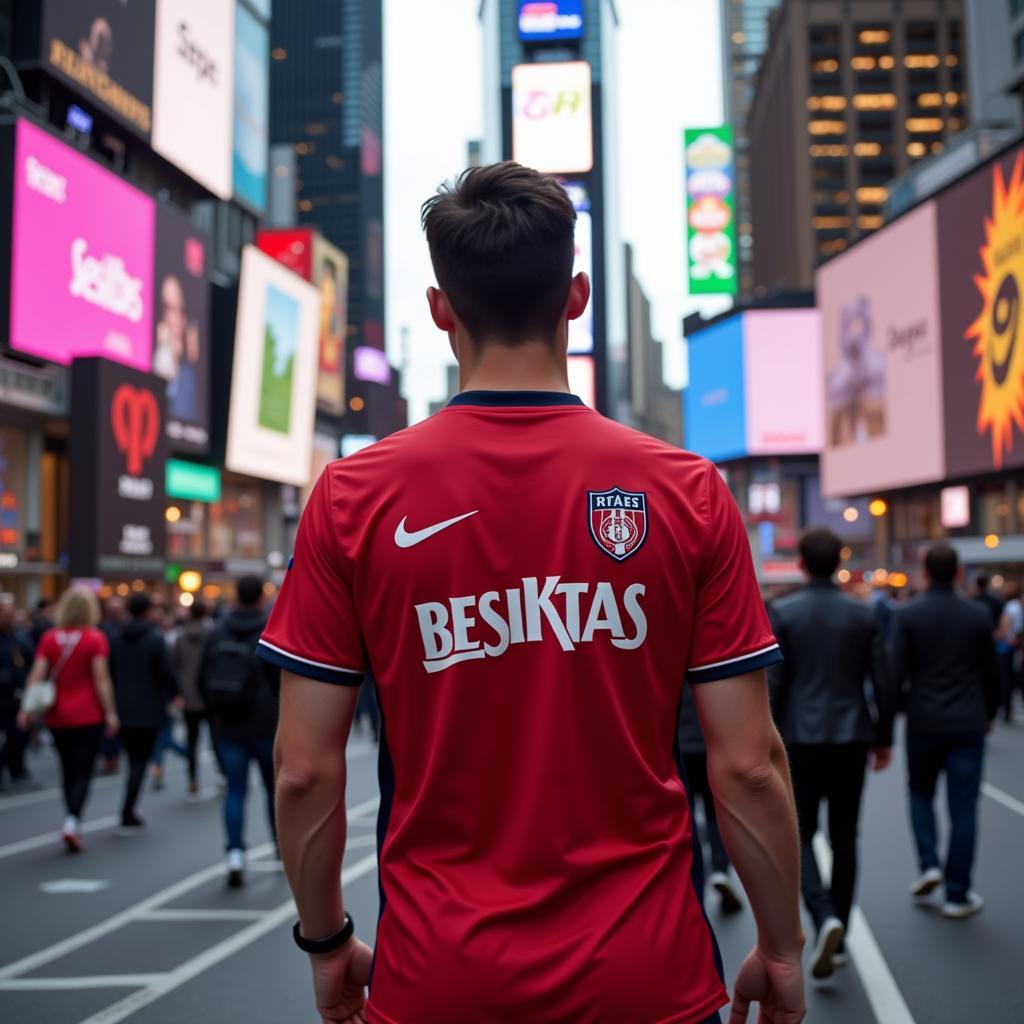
542	21
882	350
710	211
782	362
981	284
81	257
551	120
181	328
193	95
715	418
251	132
104	48
273	382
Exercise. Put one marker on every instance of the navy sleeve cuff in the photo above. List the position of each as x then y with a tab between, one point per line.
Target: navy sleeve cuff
305	667
735	666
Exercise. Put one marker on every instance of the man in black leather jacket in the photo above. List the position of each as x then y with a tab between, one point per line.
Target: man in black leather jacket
944	650
831	645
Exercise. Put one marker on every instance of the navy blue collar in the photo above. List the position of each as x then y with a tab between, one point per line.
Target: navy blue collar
515	399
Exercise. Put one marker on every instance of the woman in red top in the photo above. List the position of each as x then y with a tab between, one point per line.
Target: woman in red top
75	654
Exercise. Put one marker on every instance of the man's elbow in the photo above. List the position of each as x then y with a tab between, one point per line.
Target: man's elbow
752	772
299	776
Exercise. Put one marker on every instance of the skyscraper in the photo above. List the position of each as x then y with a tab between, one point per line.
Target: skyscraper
744	41
848	97
326	101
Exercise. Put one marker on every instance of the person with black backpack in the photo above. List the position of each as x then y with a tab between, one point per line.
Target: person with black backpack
240	692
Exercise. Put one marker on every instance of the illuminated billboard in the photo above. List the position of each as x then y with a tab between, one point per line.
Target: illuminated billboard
273	381
879	304
193	93
104	48
542	21
710	211
250	137
755	386
551	117
981	285
313	258
81	257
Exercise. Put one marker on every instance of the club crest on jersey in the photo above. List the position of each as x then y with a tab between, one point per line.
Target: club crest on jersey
618	521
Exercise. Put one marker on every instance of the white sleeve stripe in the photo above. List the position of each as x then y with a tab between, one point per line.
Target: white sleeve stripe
732	661
309	661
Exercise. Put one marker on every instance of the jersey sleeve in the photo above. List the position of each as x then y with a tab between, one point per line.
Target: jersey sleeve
100	645
314	630
731	632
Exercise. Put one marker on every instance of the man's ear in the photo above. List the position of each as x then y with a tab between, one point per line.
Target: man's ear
579	296
441	311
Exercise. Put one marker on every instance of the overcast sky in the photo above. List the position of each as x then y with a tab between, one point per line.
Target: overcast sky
670	78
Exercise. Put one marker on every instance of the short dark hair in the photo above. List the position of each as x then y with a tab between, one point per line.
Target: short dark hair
981	582
502	244
941	563
821	551
139	604
198	610
249	591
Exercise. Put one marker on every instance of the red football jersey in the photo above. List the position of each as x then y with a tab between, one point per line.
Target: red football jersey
531	583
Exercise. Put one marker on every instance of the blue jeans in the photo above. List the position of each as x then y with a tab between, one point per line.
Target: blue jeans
960	756
235	756
165	741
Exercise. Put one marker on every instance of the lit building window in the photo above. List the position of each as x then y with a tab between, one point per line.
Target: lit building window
931	99
916	149
864	63
832	246
304	148
921	60
925	125
826	102
868	149
875	101
888	62
874	37
824	150
953	98
316	128
952	60
872	194
305	205
870	222
825	67
829	223
279	53
827	127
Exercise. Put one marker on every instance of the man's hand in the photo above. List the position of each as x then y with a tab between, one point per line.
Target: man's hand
339	980
881	758
776	984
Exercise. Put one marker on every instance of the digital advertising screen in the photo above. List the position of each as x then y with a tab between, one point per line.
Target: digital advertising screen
250	138
714	403
273	381
104	48
291	246
181	328
193	91
551	117
710	211
581	330
785	412
81	257
543	21
117	456
879	305
981	284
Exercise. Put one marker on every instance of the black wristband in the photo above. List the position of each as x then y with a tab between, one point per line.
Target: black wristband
328	945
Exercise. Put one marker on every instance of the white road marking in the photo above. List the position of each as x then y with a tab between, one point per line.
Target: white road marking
64	886
91	981
880	986
199	914
214	955
1010	802
52	838
41	796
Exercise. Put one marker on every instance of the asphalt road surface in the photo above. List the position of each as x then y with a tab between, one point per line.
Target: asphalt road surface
143	928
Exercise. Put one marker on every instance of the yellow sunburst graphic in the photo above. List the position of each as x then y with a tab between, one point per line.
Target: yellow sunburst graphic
998	333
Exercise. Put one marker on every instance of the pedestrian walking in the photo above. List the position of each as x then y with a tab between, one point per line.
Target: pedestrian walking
831	644
945	655
41	620
988	599
15	663
70	684
144	685
188	655
535	834
694	754
1008	647
240	693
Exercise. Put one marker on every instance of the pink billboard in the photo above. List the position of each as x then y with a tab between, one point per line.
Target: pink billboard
81	257
883	369
782	365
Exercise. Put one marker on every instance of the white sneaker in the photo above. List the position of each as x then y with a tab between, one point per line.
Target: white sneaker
830	938
927	883
236	868
971	905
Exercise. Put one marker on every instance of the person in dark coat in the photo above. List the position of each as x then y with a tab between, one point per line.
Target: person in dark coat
945	654
240	693
144	685
694	754
15	662
830	644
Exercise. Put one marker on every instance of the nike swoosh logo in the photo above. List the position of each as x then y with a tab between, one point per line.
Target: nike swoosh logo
404	539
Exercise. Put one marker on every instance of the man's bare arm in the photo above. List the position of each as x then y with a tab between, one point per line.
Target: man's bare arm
309	755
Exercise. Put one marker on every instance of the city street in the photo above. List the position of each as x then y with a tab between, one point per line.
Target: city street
144	928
